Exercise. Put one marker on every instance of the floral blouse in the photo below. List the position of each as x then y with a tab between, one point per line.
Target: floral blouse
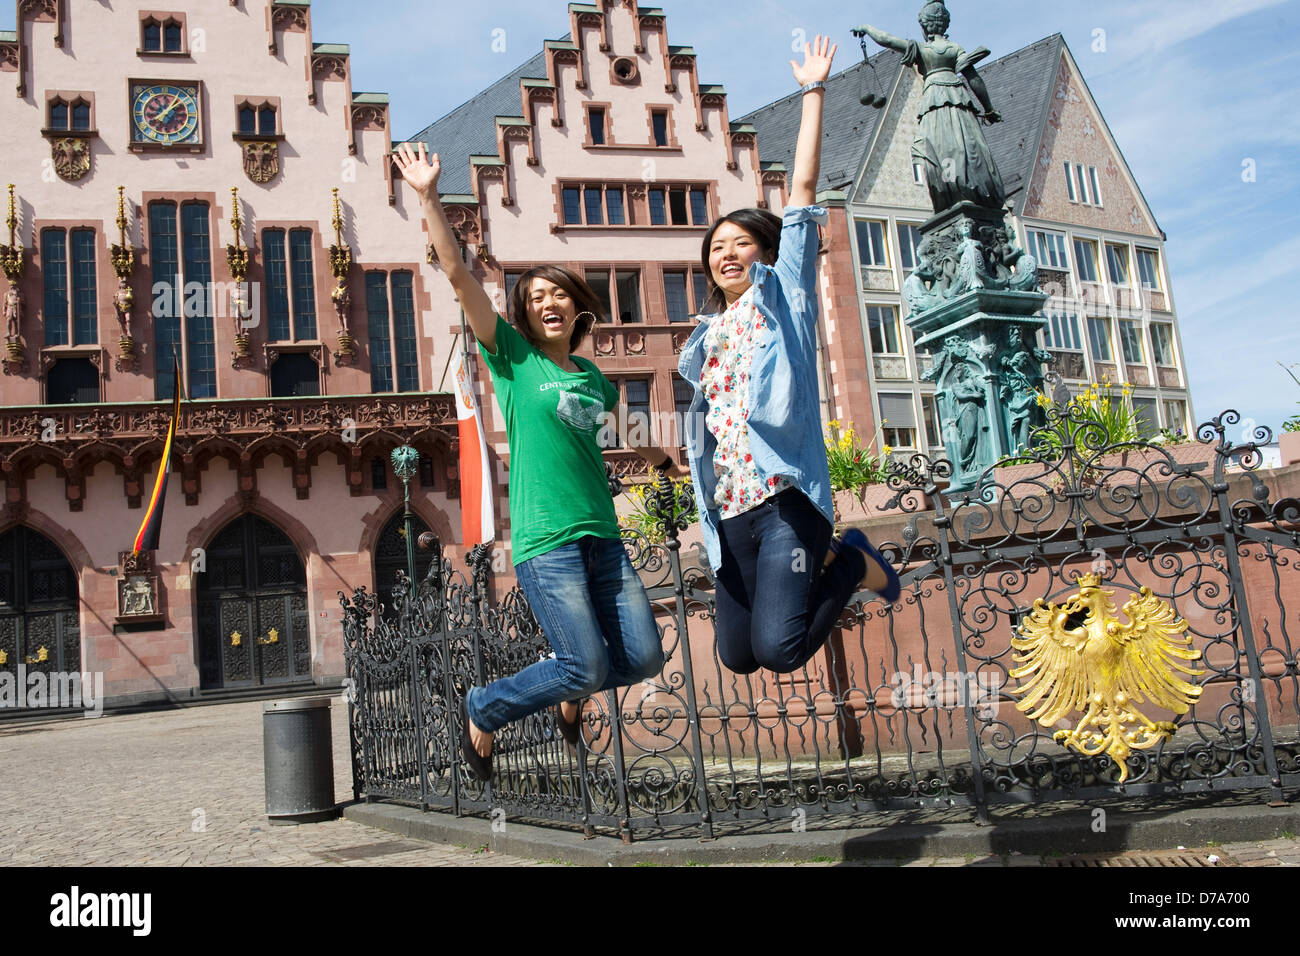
729	346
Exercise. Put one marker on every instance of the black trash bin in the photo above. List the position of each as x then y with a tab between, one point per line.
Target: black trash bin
298	758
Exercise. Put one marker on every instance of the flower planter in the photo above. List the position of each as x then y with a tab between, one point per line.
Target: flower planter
870	501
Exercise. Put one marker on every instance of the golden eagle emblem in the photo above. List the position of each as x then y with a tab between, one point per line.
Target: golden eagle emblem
1079	656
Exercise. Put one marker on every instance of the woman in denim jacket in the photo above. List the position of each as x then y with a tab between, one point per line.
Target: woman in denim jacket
757	458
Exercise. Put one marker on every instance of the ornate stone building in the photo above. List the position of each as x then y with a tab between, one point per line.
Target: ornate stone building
1075	206
202	184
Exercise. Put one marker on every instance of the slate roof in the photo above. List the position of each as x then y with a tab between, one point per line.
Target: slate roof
1019	84
470	129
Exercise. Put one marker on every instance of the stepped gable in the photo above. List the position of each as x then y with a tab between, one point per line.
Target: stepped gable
470	129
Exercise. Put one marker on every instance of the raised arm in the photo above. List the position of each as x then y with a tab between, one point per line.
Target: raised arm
816	67
881	37
422	172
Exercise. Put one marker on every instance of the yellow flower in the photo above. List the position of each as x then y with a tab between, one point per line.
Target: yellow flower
834	423
1043	400
884	421
887	450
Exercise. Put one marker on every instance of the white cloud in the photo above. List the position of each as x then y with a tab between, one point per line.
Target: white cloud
1158	25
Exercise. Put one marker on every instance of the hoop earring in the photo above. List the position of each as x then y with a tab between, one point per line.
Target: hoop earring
593	320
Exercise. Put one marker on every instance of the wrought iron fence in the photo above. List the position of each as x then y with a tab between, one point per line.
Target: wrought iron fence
919	704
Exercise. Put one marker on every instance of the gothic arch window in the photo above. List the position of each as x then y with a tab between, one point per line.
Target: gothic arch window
180	245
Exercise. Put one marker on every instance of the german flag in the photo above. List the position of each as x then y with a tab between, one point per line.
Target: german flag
146	539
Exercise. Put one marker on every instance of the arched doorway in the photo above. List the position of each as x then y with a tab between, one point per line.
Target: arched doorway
390	555
252	605
39	625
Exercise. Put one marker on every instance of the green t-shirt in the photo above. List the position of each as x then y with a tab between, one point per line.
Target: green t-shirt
558	490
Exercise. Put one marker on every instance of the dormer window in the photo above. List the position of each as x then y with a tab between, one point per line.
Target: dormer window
162	33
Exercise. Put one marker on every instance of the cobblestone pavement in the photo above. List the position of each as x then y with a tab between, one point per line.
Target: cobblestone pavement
185	788
133	790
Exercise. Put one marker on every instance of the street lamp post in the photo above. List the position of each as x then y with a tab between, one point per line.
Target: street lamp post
405	462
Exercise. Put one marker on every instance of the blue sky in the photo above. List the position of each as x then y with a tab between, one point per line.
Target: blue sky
1192	89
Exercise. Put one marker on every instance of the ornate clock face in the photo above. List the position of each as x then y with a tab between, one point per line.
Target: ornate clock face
165	114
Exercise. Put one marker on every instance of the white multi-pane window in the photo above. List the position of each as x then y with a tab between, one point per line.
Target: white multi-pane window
882	322
1149	269
1117	263
871	242
1176	415
1130	338
1049	249
1085	259
898	419
1082	184
1062	332
909	238
1162	343
1099	339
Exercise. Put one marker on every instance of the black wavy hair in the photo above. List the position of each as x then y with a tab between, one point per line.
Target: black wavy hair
762	225
583	297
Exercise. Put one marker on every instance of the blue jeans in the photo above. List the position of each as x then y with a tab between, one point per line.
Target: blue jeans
776	604
594	611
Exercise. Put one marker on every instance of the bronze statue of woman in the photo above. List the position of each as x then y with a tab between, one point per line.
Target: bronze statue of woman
949	142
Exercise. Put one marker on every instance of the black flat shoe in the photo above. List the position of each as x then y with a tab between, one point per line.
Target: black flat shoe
569	731
479	765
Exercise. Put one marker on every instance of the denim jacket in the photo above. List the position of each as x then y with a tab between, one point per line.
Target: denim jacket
785	430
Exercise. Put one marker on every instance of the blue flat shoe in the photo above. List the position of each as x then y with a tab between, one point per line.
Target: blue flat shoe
854	538
479	766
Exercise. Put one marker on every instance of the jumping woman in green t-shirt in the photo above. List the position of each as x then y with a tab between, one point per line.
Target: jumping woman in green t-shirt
568	554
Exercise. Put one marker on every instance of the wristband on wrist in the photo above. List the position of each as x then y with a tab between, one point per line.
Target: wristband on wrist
814	85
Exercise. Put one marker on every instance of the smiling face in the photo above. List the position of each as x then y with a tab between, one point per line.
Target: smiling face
731	252
551	311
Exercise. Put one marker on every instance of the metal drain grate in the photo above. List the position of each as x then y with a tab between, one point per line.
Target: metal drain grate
368	850
1135	859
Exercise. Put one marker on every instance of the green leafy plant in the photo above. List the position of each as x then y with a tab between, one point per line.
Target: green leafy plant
1110	418
642	519
854	466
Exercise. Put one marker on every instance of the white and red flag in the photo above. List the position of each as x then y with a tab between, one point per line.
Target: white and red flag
477	513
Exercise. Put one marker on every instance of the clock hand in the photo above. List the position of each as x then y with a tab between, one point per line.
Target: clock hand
162	117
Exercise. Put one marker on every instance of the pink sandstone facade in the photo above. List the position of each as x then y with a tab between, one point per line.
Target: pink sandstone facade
312	466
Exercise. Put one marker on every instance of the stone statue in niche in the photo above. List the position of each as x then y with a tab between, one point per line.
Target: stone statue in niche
971	271
1022	381
123	299
13	313
966	395
962	401
950	144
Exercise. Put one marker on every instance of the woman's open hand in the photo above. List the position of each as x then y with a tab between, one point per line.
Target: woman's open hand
816	61
420	171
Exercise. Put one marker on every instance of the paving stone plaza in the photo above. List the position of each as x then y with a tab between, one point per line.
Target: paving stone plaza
185	788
